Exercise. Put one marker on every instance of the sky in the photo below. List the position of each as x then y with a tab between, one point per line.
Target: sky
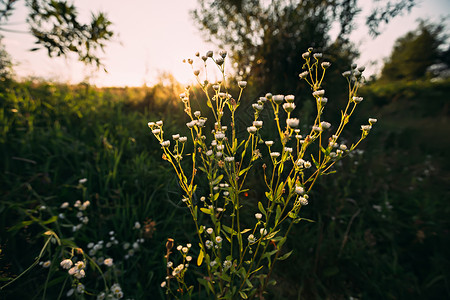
154	36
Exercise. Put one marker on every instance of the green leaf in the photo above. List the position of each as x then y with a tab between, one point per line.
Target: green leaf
51	220
206	210
243	295
200	257
217	180
285	256
278	213
244	170
245	230
261	209
314	161
229	230
271	235
269	196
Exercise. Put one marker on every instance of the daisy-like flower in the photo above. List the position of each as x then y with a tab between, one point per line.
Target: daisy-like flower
242	84
183	139
303	75
303	201
258	216
258	124
269	143
274	154
108	262
46	264
357	99
257	107
299	190
289	98
292	122
252	129
209	230
318	93
219	136
325	125
219	239
226	265
278	99
156	131
209	244
229	159
372	121
307	164
288	107
165	144
251	239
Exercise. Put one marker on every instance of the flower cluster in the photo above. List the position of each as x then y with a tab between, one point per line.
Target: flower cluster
296	156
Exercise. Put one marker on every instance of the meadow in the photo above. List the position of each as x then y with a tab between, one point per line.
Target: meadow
381	230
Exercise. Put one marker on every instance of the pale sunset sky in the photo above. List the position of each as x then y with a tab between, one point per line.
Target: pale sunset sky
153	36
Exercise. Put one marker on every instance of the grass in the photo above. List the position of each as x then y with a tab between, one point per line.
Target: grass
381	230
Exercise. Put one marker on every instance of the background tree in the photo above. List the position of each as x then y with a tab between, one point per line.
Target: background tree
415	52
56	26
266	38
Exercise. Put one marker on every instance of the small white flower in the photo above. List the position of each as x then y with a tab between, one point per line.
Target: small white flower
274	154
197	113
80	274
269	143
185	249
209	244
226	265
257	107
137	225
326	64
299	190
372	121
213	263
209	231
343	147
317	55
357	99
229	159
108	262
252	129
289	98
82	180
317	129
163	284
325	125
242	84
159	123
318	93
165	144
292	122
303	201
219	136
46	264
307	164
80	288
169	264
258	216
263	231
366	127
183	139
258	124
303	75
278	99
191	123
219	239
188	258
179	247
64	205
251	238
288	107
151	124
288	149
156	131
175	137
209	153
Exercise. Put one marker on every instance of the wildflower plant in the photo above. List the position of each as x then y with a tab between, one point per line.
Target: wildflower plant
238	259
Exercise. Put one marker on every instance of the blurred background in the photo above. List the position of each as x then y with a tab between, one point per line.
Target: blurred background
80	80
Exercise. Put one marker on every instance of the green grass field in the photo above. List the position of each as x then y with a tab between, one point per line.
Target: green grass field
381	230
